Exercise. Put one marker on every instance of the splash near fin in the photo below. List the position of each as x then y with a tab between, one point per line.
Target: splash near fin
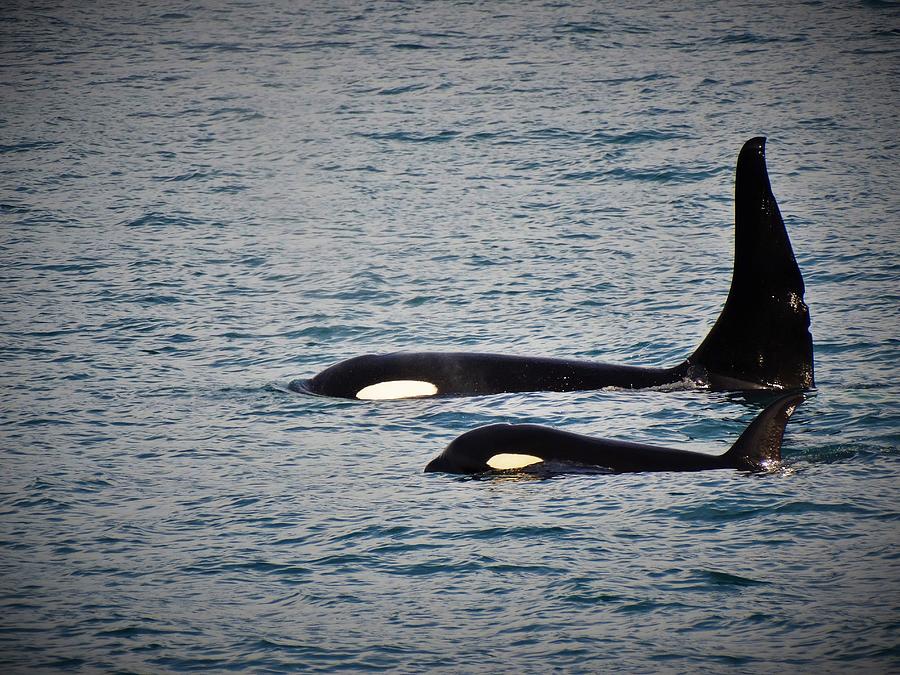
760	444
762	336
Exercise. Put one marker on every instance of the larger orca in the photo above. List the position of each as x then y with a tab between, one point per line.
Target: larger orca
501	447
761	339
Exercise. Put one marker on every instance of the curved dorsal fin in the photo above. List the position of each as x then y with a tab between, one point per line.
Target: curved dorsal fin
761	441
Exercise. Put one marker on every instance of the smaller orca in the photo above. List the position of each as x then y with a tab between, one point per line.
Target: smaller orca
501	447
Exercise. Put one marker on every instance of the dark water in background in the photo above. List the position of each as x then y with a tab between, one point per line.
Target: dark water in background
200	203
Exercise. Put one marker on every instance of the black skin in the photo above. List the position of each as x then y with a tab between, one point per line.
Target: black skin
757	449
761	339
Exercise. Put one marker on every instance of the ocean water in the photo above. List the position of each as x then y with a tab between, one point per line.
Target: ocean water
201	202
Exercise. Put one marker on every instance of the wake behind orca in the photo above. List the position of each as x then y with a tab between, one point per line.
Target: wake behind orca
501	447
760	340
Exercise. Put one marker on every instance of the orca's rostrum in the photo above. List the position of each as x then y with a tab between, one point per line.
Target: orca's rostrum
761	339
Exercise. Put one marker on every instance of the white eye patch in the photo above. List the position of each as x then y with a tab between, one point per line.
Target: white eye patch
508	460
394	389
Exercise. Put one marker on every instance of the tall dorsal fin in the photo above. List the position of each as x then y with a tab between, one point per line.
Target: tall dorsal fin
762	336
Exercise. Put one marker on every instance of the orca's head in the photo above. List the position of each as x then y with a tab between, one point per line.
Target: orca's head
496	447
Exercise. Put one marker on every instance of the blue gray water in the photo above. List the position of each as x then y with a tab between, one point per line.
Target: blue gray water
201	202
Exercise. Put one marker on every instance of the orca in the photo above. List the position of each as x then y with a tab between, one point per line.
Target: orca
761	339
504	447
